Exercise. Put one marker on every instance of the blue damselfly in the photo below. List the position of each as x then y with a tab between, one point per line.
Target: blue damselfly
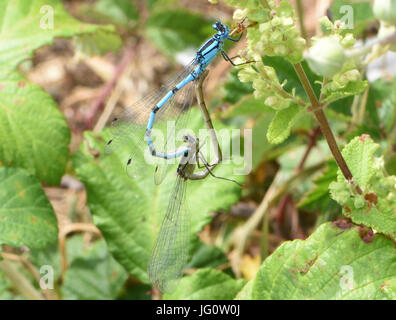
171	249
161	105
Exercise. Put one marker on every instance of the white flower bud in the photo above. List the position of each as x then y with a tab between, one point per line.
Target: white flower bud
326	57
385	10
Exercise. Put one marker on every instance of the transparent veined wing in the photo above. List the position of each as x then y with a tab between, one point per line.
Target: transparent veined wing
129	127
170	253
136	116
165	134
174	133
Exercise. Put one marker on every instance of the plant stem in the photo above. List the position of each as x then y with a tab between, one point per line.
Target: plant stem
33	271
264	250
300	13
98	104
74	227
20	282
324	126
208	121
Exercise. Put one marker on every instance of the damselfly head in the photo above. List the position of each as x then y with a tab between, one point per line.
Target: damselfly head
222	29
191	140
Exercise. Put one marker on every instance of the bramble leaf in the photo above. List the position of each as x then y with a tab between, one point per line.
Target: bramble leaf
34	134
97	43
376	206
246	292
27	25
26	215
94	275
208	284
175	31
207	256
333	263
118	11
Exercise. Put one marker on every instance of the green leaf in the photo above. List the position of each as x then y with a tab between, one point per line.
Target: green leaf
319	195
129	211
351	89
246	292
118	11
338	109
97	43
26	216
333	263
34	135
207	284
282	123
381	104
94	275
26	26
247	106
175	31
359	156
207	256
50	254
376	207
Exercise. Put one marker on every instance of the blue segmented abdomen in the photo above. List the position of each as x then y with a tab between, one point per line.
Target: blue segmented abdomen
157	107
207	53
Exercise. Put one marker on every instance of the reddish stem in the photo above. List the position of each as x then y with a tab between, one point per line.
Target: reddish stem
98	104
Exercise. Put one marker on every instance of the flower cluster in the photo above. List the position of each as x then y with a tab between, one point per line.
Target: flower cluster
275	33
329	56
266	85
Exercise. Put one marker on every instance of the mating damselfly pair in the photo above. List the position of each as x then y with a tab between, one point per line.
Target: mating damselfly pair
172	101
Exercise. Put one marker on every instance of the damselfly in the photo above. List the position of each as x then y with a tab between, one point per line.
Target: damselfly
162	105
171	249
